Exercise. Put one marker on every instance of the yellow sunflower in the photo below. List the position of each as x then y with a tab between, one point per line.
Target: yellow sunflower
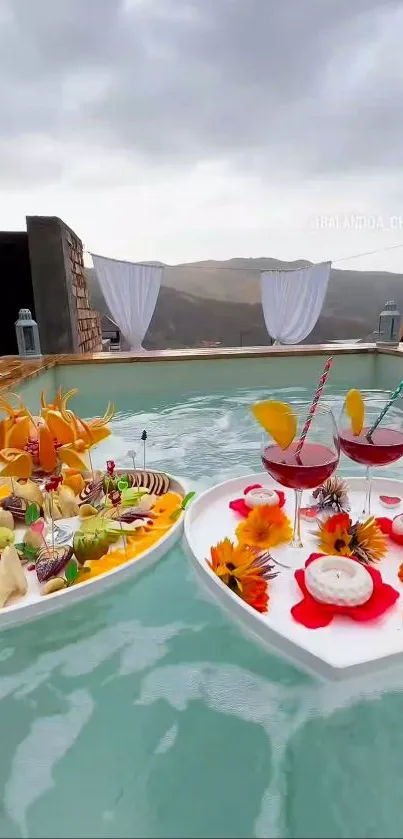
264	528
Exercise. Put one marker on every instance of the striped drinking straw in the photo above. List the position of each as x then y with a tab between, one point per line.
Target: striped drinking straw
396	393
315	400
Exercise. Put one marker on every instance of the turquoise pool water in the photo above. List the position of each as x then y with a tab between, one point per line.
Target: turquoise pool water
147	713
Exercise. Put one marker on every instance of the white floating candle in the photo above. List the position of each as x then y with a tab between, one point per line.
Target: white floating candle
339	581
260	497
397	525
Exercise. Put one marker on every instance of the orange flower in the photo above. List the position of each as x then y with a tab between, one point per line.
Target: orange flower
264	528
243	571
255	592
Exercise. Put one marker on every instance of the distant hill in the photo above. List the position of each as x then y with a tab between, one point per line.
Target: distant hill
220	301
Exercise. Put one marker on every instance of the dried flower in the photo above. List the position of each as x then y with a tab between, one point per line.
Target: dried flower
332	496
110	467
368	543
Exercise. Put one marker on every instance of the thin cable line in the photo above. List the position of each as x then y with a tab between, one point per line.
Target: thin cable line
367	253
257	270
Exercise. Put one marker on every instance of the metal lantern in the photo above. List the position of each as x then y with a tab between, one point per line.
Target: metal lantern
26	329
389	325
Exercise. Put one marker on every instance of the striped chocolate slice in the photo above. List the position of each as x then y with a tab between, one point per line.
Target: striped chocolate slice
157	483
50	563
91	493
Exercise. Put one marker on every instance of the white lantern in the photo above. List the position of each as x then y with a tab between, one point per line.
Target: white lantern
389	325
27	333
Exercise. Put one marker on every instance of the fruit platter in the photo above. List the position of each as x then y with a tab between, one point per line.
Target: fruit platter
67	530
305	559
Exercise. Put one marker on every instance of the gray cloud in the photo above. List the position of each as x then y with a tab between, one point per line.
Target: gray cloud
305	84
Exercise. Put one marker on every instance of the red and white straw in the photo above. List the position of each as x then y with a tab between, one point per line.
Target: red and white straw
315	400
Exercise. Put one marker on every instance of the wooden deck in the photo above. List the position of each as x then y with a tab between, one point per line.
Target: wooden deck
14	370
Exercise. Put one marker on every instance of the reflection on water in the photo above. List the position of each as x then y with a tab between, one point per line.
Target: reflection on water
147	713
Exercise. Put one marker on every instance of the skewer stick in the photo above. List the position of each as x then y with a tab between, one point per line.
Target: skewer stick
91	466
53	523
144	438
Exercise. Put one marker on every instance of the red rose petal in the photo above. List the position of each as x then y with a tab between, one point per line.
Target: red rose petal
240	507
252	486
385	524
382	599
281	497
311	614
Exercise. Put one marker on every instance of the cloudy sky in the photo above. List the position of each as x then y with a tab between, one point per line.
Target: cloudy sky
194	129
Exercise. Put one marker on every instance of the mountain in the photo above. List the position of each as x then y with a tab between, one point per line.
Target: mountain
220	301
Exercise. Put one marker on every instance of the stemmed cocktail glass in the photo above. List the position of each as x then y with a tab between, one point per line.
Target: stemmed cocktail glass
380	448
312	465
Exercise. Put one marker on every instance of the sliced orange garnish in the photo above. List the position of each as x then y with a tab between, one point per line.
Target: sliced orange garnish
69	456
18	435
167	503
59	427
355	410
278	419
15	464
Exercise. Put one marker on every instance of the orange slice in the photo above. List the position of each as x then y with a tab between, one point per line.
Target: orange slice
278	419
166	504
355	410
75	481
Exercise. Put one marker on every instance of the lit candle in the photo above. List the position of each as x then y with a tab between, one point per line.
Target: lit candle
260	497
339	581
397	525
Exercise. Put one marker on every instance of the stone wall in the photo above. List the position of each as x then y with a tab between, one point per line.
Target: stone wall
66	322
88	322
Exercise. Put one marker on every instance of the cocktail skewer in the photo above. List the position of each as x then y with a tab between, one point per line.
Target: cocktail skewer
144	438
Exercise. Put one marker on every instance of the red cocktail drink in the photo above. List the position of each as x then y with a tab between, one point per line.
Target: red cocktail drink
385	447
314	465
289	457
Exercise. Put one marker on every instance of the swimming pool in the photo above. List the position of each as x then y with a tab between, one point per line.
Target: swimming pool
146	712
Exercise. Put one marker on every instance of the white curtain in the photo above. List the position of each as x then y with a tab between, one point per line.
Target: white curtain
131	292
292	301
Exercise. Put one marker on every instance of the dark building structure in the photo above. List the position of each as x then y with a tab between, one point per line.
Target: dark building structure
42	269
15	272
